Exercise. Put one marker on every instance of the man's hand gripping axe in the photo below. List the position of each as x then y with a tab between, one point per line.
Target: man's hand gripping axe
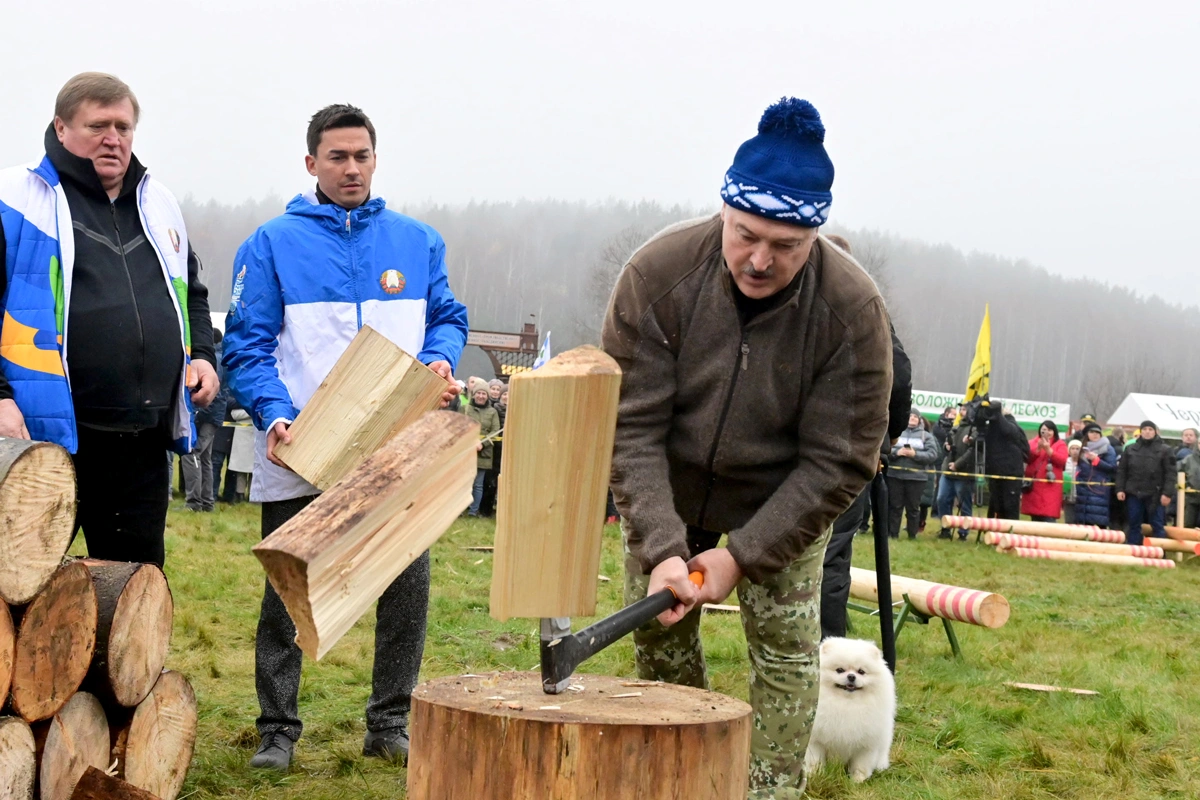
563	651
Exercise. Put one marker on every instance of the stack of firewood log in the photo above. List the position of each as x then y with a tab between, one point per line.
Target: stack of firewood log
82	648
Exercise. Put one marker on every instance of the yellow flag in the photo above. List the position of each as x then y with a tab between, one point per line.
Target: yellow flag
979	380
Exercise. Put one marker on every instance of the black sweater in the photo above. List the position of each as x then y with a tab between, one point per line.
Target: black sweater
122	332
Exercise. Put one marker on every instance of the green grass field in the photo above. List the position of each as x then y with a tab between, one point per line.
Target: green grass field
1130	634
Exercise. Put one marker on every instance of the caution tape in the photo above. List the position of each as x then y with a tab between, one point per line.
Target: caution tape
1188	490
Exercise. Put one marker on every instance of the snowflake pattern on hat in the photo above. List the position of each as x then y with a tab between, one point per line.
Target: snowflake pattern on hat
766	203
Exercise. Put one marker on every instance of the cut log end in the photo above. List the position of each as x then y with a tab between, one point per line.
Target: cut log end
76	738
601	742
161	737
55	643
18	759
8	646
37	515
134	630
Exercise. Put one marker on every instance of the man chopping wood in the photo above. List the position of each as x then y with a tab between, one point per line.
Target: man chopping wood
757	371
304	284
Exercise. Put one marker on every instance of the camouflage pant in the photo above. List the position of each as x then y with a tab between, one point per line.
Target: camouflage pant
782	621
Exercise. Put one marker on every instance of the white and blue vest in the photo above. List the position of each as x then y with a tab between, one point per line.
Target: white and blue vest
34	340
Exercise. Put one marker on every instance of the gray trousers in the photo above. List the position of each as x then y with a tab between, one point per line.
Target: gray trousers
197	470
399	645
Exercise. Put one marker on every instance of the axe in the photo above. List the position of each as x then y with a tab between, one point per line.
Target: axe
563	651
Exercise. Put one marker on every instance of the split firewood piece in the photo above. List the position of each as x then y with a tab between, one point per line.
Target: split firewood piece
374	391
97	785
77	737
8	646
55	641
154	745
134	630
558	444
37	515
1039	687
18	759
331	561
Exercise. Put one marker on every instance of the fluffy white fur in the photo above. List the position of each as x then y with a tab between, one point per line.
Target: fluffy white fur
856	709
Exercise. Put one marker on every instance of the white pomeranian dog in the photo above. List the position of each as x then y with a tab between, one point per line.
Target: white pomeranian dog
856	709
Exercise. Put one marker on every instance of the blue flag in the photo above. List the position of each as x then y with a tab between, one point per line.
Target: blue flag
544	353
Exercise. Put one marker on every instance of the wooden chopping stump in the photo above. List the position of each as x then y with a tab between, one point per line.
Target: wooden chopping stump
590	744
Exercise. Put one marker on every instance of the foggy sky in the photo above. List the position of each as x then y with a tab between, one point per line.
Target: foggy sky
1062	133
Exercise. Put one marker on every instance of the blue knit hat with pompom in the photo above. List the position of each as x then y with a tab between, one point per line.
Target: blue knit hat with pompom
783	173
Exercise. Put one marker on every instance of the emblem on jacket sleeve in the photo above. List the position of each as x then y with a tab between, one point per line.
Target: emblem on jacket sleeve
174	238
239	285
392	281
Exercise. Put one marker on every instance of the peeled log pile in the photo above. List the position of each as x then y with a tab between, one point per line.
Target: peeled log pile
1007	541
1174	545
373	392
134	630
75	739
1089	533
1095	558
55	642
154	749
8	644
37	515
338	555
936	599
1178	534
97	785
18	759
658	741
558	444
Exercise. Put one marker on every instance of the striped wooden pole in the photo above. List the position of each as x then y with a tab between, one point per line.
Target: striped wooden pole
1086	533
956	603
1174	545
1176	533
1095	558
1007	541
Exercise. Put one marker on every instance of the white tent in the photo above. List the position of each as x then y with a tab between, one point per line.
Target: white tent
218	320
1170	414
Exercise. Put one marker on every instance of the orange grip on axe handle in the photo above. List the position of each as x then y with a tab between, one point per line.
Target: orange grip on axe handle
695	577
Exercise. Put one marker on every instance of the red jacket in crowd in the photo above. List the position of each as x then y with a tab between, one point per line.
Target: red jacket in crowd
1044	499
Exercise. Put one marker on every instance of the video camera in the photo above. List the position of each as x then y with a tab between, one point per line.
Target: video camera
982	411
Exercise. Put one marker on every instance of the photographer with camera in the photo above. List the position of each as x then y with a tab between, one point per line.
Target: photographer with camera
1006	450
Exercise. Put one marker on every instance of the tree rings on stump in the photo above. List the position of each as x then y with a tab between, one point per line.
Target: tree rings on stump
37	515
155	750
134	630
500	738
18	759
75	739
55	642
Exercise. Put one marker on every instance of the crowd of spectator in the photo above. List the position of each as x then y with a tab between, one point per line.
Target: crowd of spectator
968	458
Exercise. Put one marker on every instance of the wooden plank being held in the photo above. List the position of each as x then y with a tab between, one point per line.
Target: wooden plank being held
374	391
338	555
558	441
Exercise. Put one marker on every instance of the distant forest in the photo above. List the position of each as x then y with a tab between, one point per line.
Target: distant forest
1053	338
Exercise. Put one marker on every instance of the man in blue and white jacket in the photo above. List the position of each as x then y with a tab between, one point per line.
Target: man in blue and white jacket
304	284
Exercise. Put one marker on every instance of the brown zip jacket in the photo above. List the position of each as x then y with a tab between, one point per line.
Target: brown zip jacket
766	433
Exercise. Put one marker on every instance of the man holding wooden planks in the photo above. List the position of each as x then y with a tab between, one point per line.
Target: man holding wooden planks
304	284
754	401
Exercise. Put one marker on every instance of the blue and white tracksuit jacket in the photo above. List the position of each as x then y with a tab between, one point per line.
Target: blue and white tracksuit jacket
304	284
36	306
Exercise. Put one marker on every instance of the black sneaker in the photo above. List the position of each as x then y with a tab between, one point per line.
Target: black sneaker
945	535
390	744
274	752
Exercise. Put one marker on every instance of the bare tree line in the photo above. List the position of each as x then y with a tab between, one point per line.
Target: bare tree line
1053	338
